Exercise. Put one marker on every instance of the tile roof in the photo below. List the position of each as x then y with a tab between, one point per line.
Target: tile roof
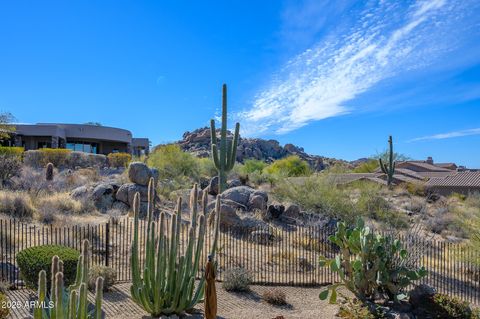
462	179
424	165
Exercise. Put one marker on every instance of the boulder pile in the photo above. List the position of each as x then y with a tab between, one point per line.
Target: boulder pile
111	195
198	143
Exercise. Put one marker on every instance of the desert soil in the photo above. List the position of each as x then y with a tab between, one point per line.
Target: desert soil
303	304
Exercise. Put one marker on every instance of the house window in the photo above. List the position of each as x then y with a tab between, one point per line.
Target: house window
79	146
44	145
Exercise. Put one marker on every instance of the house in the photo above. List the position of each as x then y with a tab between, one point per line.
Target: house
78	137
442	178
463	183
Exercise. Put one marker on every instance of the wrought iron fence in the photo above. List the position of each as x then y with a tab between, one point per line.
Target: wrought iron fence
274	256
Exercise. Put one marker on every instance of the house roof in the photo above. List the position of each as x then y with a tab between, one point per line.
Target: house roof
461	179
424	165
409	173
351	177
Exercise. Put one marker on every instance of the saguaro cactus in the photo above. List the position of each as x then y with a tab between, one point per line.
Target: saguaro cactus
167	284
224	155
71	303
390	169
49	172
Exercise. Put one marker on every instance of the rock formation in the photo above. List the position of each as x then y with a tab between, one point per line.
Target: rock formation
198	143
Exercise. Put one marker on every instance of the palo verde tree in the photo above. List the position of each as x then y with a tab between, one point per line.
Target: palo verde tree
223	155
6	126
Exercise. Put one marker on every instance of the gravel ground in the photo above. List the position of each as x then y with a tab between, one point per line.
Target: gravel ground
303	303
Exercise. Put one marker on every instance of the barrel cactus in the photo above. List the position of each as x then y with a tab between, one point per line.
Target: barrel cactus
71	302
49	172
167	283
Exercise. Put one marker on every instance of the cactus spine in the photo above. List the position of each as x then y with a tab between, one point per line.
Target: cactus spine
390	169
49	172
71	303
167	284
224	155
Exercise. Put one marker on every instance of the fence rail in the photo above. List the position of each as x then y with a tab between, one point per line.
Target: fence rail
273	256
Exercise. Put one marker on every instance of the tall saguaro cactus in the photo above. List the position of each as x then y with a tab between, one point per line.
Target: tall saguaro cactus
167	284
71	303
389	169
224	155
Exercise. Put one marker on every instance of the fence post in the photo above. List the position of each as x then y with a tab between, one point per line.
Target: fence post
107	242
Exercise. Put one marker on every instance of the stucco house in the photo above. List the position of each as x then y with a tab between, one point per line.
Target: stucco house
78	137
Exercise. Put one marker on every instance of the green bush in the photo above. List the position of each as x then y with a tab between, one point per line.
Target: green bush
109	277
4	310
34	259
369	265
290	166
449	307
11	150
172	162
119	159
369	166
41	157
206	167
253	165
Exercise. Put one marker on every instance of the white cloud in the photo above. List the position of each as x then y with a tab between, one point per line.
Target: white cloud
441	136
383	41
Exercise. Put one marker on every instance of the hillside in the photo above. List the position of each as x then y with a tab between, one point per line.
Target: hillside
198	142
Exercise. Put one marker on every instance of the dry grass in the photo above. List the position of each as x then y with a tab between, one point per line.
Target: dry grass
16	204
275	296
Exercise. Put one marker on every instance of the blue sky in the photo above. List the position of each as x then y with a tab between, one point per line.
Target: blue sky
336	77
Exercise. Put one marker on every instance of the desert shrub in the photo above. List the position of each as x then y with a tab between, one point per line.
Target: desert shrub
206	167
10	166
449	307
4	310
360	248
109	275
12	151
40	158
369	166
237	279
290	166
32	260
56	156
275	296
16	204
317	194
352	308
119	159
253	165
417	189
177	169
85	160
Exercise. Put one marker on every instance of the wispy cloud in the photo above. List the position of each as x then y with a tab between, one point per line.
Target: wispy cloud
386	39
441	136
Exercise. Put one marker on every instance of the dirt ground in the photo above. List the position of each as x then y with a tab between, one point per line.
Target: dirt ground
303	303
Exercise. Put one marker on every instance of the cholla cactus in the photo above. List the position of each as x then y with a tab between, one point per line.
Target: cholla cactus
49	172
167	284
71	303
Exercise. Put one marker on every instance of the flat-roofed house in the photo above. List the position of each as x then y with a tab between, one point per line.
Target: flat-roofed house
79	137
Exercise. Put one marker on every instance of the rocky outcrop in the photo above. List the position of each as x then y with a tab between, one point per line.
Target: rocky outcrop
109	196
198	143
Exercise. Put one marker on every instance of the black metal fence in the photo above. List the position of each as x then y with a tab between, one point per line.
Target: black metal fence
274	256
